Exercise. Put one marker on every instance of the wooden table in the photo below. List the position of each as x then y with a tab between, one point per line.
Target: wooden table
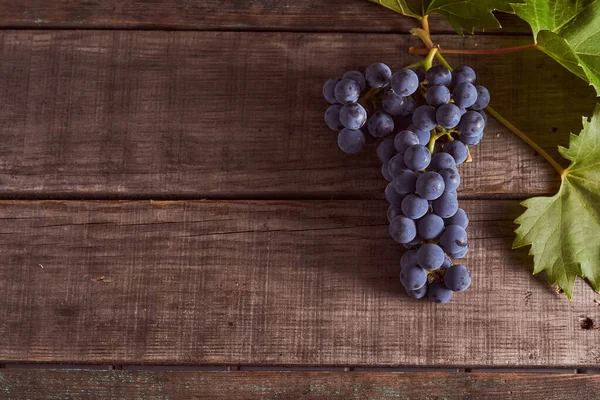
177	221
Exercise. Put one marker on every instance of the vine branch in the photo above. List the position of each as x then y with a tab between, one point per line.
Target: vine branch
506	50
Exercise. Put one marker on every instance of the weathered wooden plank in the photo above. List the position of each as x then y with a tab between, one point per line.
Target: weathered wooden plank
306	15
99	385
268	282
220	114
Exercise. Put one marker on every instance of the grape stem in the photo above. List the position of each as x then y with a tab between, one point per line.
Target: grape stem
434	136
505	50
423	34
428	62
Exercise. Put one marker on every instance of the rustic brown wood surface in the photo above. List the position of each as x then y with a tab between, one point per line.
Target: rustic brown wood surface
268	282
306	15
239	115
100	385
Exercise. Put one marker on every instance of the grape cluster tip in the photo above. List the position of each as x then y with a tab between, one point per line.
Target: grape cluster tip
425	122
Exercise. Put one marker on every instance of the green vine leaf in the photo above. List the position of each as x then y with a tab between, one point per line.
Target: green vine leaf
564	230
463	15
569	32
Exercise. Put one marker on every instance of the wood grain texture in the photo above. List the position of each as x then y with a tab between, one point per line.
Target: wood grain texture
268	282
289	15
231	114
101	385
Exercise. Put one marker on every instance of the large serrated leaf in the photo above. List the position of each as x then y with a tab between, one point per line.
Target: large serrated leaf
569	32
463	15
564	230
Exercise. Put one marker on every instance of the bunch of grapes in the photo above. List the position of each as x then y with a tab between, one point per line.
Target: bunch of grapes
420	159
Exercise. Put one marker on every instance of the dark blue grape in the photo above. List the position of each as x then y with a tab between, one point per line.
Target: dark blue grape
404	140
405	82
347	91
424	118
353	116
430	226
329	90
420	73
408	258
447	263
386	173
430	256
459	254
446	205
403	229
439	293
471	124
457	150
423	135
393	211
418	293
357	77
439	75
457	278
448	115
413	277
332	117
451	178
484	115
351	141
409	106
380	124
483	98
460	218
463	74
454	239
404	182
378	75
417	157
385	149
441	161
464	95
438	95
392	196
393	103
395	165
430	185
471	140
414	207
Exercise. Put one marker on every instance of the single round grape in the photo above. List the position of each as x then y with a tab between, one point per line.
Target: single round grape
405	82
417	157
451	178
483	98
423	135
424	118
386	173
351	141
408	258
418	293
329	90
464	94
395	165
463	74
415	242
353	116
393	211
378	75
403	229
471	124
380	124
347	91
404	181
430	226
420	73
457	278
414	207
430	256
409	106
484	115
430	185
404	140
460	218
448	115
460	253
357	77
393	103
446	205
385	149
439	293
332	117
447	263
413	277
441	161
439	75
438	95
392	196
454	239
471	140
457	150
